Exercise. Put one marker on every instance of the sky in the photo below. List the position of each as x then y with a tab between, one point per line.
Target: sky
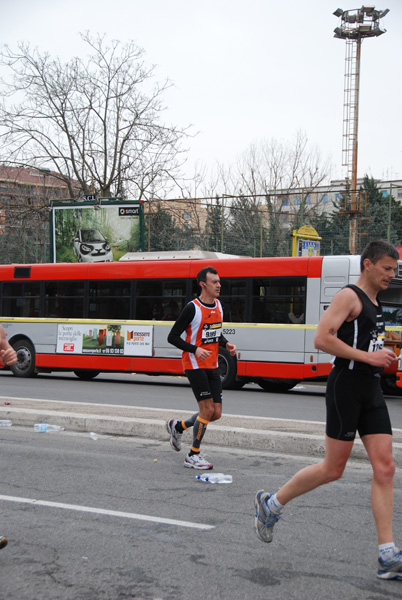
242	71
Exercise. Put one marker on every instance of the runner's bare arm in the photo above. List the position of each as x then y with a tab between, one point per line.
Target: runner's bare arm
344	307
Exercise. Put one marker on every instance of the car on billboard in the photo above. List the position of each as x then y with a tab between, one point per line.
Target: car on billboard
90	245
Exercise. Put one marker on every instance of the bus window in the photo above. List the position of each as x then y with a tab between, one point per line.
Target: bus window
233	298
278	300
169	296
149	288
64	299
149	294
171	311
176	288
115	287
174	298
109	299
109	308
21	299
157	311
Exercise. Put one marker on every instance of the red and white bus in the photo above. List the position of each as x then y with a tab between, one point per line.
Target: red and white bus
115	317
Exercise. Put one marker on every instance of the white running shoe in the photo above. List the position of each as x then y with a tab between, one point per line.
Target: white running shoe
197	461
175	436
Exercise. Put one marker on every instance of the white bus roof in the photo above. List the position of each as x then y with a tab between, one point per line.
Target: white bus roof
177	255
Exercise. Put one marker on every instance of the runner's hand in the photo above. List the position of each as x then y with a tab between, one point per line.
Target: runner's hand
9	356
231	348
382	358
202	354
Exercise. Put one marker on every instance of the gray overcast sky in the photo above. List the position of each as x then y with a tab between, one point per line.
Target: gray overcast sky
242	70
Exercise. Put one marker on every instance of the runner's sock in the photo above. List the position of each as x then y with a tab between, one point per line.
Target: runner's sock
274	505
200	426
182	425
386	551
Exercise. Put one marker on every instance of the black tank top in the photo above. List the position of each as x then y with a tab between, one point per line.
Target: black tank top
366	332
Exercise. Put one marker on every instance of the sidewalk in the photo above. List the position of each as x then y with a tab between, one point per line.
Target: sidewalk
282	436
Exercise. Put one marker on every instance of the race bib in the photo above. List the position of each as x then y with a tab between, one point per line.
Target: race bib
376	342
211	332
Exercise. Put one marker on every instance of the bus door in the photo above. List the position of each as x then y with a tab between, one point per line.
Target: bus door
337	271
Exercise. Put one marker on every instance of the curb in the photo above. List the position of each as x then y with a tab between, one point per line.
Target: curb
282	436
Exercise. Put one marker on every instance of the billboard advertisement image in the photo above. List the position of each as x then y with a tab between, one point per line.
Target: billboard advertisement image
105	339
95	233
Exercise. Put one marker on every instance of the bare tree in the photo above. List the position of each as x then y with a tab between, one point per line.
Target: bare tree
274	167
96	122
268	174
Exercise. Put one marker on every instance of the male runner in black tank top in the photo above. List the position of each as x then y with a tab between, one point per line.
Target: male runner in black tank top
352	329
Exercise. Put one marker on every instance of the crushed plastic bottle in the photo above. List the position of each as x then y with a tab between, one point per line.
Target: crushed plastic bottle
5	423
43	427
93	436
214	478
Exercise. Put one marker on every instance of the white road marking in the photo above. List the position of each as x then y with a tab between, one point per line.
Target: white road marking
110	513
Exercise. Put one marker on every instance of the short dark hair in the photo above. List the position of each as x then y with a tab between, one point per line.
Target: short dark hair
376	250
202	275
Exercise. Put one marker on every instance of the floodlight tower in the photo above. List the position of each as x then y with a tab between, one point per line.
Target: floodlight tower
355	25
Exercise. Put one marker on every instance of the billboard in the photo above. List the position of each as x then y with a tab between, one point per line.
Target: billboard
95	232
105	339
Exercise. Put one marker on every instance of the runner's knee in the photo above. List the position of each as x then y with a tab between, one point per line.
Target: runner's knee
333	472
207	410
384	469
217	412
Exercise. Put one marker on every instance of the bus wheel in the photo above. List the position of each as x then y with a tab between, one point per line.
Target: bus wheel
25	367
389	387
276	385
227	369
86	374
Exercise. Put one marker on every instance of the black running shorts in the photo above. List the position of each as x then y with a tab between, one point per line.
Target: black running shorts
205	383
355	402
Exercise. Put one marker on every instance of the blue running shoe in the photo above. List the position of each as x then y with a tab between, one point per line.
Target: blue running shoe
391	568
264	518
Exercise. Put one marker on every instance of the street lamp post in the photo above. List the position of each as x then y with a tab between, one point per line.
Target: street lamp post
355	25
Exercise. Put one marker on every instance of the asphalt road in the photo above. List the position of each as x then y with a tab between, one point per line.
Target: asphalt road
304	402
164	392
122	518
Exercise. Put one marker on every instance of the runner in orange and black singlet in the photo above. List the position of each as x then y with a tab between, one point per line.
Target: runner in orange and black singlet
201	320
